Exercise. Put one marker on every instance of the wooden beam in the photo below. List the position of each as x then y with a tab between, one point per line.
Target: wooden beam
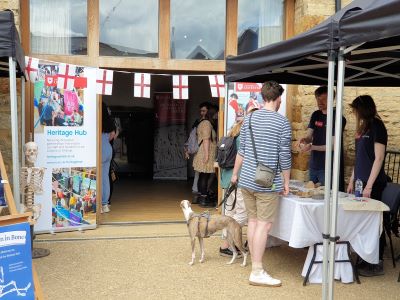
98	160
289	18
38	287
162	64
231	31
25	26
289	32
221	122
93	31
25	41
164	39
139	63
80	60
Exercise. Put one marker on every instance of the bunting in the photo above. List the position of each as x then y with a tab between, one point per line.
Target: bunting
67	79
66	76
31	68
217	85
142	85
104	82
180	87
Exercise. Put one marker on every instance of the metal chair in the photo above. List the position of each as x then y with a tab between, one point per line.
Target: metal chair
391	197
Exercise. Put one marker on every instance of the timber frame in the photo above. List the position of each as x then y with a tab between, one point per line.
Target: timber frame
161	64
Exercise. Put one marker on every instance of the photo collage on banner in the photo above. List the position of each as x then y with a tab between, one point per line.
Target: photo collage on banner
65	130
243	97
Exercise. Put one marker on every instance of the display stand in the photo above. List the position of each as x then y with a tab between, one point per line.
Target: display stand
15	218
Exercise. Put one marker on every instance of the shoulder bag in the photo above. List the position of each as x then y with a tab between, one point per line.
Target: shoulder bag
264	175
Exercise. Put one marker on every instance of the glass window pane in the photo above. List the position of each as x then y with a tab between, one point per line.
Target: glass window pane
129	28
58	26
198	29
260	23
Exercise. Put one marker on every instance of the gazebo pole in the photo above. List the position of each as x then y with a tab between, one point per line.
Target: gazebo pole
336	168
14	127
328	168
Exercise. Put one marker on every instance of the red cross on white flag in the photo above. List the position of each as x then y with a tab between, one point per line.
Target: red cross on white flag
142	85
31	68
217	85
66	76
180	86
104	82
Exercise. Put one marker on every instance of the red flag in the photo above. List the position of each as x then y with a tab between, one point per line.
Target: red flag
80	82
50	80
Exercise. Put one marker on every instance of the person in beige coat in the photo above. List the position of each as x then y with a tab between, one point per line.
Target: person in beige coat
203	161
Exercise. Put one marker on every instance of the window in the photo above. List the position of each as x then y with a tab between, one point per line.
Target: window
198	29
260	23
129	28
58	26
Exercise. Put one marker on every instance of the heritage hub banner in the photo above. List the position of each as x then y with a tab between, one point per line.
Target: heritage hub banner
169	138
65	128
16	281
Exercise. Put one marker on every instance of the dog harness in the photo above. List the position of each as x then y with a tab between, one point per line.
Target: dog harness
205	215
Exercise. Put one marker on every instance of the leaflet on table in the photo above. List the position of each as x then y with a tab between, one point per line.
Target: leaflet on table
65	126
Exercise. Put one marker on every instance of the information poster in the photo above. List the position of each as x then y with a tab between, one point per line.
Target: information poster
169	138
66	132
245	96
16	281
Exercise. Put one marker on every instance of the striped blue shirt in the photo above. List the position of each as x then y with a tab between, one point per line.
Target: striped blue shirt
272	138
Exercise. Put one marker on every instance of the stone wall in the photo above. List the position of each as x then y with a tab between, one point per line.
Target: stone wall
5	112
309	13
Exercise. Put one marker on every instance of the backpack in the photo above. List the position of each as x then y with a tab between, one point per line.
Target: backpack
191	144
226	152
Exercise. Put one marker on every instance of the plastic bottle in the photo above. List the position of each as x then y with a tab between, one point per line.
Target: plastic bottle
358	189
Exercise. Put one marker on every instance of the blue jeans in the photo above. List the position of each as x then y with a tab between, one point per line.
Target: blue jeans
317	176
106	156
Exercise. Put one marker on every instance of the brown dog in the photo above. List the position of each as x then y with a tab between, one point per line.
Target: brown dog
204	225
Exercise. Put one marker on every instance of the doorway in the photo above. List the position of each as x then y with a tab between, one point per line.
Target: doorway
140	193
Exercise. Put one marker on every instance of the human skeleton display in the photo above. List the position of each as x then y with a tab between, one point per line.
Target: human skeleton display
31	180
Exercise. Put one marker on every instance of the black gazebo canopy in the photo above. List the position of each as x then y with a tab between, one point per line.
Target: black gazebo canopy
10	45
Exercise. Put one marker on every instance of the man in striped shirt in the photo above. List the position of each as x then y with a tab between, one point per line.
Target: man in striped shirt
272	142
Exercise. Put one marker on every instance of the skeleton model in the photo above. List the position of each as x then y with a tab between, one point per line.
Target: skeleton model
4	288
31	180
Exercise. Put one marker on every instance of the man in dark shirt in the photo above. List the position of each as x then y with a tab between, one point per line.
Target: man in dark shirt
315	140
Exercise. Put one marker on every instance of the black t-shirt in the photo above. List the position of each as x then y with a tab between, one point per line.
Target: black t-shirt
318	125
365	151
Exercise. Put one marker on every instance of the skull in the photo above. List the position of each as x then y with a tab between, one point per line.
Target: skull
31	152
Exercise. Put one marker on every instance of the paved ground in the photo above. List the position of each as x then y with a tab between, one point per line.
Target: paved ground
151	262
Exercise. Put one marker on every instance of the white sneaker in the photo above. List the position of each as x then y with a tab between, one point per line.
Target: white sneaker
105	209
262	278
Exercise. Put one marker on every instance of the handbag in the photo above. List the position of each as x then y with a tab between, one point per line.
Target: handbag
113	172
264	175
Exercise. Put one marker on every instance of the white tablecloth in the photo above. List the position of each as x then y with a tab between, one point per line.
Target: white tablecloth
300	222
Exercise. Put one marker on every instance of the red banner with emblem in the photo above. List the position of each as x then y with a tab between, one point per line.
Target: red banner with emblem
169	137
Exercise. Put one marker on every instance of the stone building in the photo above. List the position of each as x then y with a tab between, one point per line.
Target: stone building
298	16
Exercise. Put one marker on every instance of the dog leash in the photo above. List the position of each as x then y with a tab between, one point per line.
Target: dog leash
230	189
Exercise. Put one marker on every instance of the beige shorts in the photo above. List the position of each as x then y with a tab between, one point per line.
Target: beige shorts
262	206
